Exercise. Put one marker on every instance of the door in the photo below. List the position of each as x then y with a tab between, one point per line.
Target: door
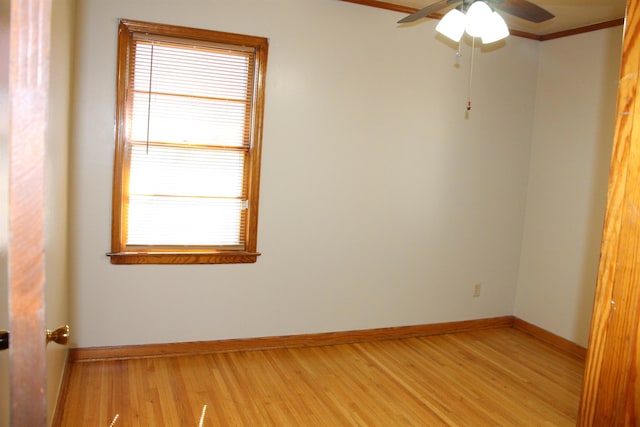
28	77
4	204
611	391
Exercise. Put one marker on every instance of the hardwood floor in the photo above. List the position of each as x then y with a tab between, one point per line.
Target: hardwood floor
494	377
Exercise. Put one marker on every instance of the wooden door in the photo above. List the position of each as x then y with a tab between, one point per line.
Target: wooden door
5	8
28	99
611	391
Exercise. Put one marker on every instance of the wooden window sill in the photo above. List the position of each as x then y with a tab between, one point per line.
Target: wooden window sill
236	257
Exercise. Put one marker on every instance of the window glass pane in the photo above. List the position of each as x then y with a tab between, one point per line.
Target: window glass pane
192	71
198	97
183	221
180	171
188	120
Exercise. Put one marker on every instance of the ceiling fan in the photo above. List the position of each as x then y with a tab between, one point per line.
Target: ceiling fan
476	18
521	8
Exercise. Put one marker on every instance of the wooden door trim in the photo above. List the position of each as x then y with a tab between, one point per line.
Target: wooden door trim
611	387
30	29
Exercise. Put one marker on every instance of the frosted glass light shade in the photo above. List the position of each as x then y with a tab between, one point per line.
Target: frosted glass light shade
479	21
495	29
452	25
478	17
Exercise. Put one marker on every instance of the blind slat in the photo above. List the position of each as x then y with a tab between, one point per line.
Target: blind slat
203	72
188	120
157	220
186	172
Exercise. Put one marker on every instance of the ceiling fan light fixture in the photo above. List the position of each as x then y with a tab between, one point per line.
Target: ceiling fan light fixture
495	29
479	21
478	17
452	25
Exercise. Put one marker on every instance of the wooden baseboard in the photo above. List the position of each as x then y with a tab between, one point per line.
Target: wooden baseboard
263	343
550	338
327	338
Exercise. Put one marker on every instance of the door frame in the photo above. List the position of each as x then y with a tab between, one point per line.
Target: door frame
611	388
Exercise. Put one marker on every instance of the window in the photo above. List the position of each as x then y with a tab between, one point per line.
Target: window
188	144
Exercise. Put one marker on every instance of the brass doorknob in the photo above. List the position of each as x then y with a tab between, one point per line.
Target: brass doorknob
59	335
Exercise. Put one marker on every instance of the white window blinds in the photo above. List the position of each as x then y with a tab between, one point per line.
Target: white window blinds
188	136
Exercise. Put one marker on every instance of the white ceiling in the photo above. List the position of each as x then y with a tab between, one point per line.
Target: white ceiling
569	14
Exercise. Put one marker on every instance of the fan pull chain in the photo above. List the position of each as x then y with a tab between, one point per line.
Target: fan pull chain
473	49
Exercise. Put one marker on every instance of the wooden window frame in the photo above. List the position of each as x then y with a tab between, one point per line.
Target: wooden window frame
120	252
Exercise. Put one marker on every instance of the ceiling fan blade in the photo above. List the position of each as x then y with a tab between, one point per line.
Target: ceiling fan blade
523	9
426	11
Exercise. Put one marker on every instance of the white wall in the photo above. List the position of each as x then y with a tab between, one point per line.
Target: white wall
571	149
56	190
381	203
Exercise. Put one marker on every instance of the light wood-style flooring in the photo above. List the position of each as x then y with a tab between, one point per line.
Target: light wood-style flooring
493	377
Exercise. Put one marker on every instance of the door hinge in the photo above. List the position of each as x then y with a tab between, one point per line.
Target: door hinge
4	340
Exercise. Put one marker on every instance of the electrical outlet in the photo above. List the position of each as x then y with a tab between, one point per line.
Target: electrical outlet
476	289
